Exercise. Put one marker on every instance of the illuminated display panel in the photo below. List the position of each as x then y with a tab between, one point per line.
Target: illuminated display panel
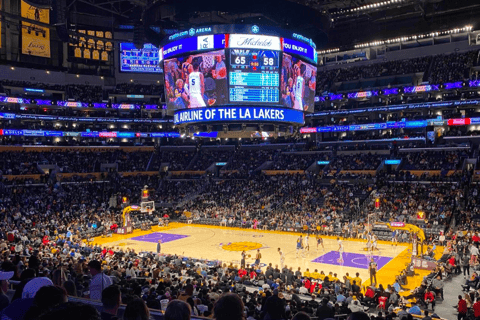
145	60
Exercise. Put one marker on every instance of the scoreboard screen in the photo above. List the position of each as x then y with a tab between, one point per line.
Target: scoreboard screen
145	60
238	73
254	76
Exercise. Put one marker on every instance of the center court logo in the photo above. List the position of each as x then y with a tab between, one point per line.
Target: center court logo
240	246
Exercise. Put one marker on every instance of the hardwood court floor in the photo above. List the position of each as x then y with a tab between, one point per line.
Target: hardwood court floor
226	244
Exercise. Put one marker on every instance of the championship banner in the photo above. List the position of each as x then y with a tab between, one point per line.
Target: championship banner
35	39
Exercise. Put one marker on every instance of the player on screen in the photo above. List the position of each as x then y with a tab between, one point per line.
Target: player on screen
312	83
185	68
299	88
196	86
288	95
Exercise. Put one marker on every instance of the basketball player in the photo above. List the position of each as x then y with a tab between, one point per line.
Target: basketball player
258	256
299	88
220	76
394	238
320	242
307	245
185	68
282	257
340	250
242	262
196	85
374	242
369	245
299	245
289	95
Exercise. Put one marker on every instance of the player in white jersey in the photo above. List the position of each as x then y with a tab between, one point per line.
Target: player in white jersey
307	245
340	250
196	86
299	88
374	242
282	257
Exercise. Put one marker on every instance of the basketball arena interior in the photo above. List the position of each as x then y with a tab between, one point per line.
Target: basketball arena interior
239	160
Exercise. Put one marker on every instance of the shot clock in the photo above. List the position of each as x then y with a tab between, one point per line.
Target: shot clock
254	76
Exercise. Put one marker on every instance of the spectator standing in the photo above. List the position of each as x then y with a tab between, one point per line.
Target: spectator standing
462	308
476	309
99	282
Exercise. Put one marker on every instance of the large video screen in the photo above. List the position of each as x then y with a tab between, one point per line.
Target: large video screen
145	60
196	81
297	84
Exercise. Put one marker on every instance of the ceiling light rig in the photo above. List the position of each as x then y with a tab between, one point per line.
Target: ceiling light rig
367	7
433	34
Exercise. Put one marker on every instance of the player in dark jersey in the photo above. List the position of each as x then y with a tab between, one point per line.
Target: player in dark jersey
185	68
289	95
320	242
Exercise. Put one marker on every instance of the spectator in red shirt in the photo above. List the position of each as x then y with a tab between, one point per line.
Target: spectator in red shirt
429	298
476	309
307	284
45	240
476	238
242	272
369	297
462	308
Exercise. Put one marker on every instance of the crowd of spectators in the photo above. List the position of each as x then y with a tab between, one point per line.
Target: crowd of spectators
206	157
389	68
445	68
62	214
73	161
434	160
84	93
16	163
135	88
453	67
295	161
360	161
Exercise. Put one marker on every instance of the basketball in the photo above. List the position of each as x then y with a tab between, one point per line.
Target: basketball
211	102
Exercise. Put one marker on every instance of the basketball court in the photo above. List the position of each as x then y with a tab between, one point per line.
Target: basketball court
226	244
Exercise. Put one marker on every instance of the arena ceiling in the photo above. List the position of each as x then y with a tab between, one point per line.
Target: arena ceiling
331	23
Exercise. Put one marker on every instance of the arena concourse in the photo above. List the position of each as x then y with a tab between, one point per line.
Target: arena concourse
362	203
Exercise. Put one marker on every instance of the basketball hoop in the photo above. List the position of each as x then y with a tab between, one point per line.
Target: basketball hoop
147	207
